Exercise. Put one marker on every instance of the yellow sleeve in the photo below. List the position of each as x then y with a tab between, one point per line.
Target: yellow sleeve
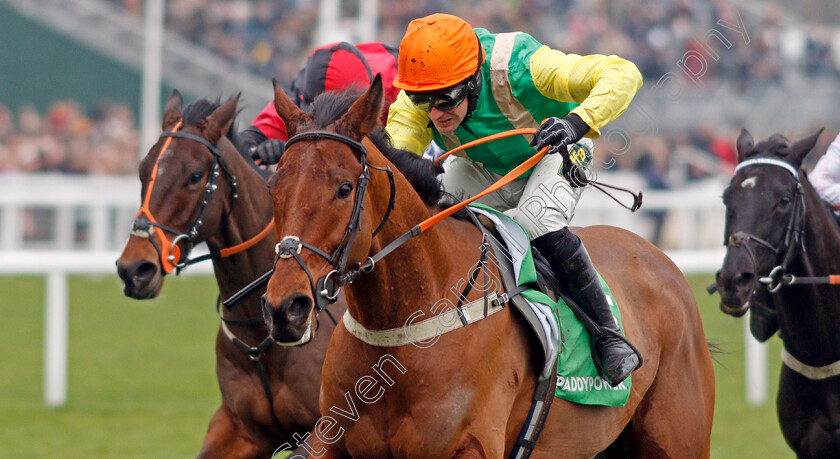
602	85
407	126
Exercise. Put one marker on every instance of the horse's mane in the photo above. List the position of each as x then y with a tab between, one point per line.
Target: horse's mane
199	109
328	107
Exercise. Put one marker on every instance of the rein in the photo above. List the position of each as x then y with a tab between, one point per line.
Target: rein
637	198
169	253
290	246
326	292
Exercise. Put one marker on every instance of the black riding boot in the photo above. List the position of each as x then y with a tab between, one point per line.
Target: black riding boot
615	359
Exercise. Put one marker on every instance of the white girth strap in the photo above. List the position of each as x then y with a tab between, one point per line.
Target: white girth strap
810	372
426	329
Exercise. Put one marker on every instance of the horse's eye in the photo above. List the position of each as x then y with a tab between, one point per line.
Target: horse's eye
344	190
785	201
195	177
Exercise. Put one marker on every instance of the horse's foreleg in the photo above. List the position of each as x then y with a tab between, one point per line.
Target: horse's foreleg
228	437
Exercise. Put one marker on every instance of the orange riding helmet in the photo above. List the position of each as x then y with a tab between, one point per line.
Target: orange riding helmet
437	51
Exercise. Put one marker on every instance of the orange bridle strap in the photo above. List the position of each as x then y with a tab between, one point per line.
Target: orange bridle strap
169	252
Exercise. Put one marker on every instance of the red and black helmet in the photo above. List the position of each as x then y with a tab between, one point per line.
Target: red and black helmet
336	66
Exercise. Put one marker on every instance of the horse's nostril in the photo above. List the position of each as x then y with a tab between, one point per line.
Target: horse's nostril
266	309
145	271
739	280
298	308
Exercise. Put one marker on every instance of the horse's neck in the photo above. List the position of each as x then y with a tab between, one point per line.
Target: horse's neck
419	277
419	273
250	213
808	313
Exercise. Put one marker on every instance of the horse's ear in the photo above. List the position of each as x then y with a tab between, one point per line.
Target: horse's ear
291	114
219	121
744	144
365	115
800	148
172	110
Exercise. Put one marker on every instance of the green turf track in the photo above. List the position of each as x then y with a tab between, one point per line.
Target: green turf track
142	381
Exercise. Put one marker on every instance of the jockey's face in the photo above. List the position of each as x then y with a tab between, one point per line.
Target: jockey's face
447	120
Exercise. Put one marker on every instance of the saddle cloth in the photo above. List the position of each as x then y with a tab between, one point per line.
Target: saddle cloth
561	334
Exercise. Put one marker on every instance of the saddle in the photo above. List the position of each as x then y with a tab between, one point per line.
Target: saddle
558	323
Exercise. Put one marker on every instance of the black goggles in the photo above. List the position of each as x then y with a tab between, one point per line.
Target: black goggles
443	99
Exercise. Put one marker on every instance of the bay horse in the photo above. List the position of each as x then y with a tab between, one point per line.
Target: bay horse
781	247
197	187
468	394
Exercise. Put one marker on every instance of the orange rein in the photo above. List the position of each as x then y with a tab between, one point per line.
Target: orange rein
249	243
509	177
496	136
438	217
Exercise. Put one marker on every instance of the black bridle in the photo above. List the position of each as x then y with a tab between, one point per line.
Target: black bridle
793	239
143	223
325	290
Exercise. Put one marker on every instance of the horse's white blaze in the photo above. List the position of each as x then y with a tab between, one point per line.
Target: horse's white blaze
749	183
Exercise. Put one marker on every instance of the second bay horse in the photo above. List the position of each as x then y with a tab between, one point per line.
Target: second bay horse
196	187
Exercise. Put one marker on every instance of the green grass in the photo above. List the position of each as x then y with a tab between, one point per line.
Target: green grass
141	377
142	381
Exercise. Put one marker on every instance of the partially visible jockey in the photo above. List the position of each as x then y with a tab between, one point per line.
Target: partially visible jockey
460	84
333	67
825	177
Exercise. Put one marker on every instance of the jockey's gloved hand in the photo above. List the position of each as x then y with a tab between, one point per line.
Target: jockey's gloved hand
269	152
559	133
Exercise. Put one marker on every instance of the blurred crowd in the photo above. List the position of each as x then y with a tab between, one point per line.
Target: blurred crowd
69	139
272	37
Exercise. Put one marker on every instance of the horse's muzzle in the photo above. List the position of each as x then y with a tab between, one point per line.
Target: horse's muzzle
735	289
293	321
141	279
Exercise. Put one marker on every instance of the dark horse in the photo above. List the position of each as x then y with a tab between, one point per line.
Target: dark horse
198	188
781	246
468	394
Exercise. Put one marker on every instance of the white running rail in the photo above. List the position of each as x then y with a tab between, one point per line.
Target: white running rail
58	225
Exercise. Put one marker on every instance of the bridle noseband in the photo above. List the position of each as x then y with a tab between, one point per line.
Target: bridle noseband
793	232
325	290
145	224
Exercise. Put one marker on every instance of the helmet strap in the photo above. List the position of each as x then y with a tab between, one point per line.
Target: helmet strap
474	85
